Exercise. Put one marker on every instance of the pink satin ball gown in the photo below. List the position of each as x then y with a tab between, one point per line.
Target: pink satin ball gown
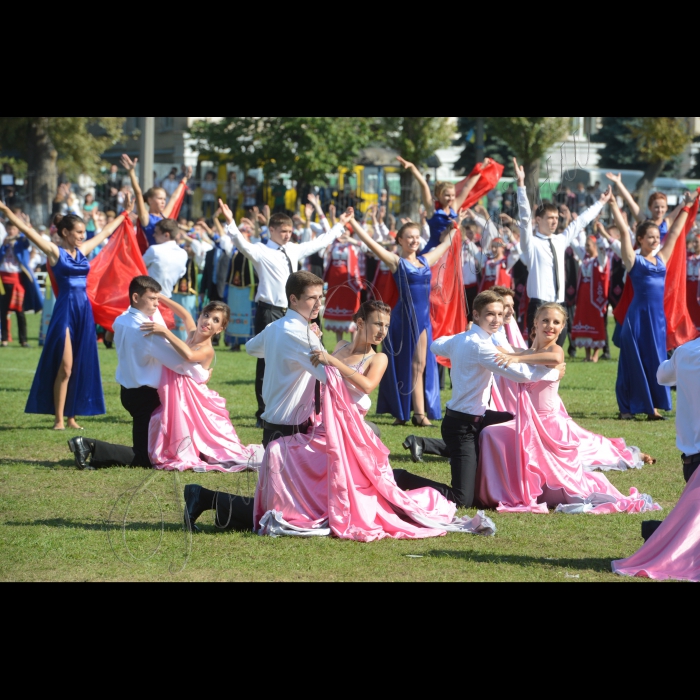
540	461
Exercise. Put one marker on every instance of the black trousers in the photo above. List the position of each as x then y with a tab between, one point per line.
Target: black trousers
690	469
462	444
234	512
141	404
264	316
431	446
5	300
275	432
471	293
532	311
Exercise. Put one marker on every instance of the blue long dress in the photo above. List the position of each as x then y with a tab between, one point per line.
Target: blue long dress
440	220
409	319
73	312
643	342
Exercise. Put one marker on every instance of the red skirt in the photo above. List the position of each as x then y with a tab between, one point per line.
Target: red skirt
11	279
589	323
503	279
385	288
342	301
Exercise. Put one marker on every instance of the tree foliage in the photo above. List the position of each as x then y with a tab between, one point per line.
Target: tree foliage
494	147
306	147
416	138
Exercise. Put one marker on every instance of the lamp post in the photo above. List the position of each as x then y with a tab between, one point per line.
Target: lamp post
148	144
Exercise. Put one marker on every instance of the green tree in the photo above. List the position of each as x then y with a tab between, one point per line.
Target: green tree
530	139
308	148
49	145
416	139
493	147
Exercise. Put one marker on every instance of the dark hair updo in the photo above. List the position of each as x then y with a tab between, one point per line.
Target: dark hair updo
643	229
371	307
66	223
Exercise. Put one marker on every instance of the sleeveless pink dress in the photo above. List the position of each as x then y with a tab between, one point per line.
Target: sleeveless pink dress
192	430
540	461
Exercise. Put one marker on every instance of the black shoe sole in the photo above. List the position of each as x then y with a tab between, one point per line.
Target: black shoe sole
86	467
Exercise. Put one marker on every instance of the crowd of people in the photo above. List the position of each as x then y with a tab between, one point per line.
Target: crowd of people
275	282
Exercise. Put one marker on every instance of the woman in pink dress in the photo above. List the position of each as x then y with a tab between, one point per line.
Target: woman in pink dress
338	480
192	428
542	460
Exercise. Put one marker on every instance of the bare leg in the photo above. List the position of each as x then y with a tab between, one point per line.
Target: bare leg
596	356
588	354
60	389
338	336
419	362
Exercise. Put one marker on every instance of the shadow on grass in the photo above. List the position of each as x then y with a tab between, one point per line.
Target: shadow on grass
239	382
62	524
597	565
64	464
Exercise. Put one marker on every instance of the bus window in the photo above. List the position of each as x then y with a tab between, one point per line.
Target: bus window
393	184
371	181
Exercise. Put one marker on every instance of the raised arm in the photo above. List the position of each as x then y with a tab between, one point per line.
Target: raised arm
526	230
167	212
625	194
141	208
316	203
469	186
50	250
251	251
426	194
678	227
576	227
326	239
180	312
435	255
629	257
391	260
89	246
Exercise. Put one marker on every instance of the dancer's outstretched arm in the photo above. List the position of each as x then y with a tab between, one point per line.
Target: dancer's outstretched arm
678	227
426	194
549	358
49	249
200	355
629	257
89	246
470	185
364	382
141	208
167	212
625	194
180	312
391	260
435	255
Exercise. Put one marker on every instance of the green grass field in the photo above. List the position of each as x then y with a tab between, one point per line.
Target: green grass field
58	524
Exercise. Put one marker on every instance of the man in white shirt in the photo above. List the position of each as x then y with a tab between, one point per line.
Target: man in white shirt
292	384
544	251
3	233
683	372
291	393
165	261
275	262
474	363
141	362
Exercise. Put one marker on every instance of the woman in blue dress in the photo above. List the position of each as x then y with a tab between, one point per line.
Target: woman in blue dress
154	206
440	208
412	376
643	336
68	382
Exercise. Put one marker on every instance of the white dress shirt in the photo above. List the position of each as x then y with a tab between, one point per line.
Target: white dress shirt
683	372
289	390
3	233
141	359
537	253
271	264
473	356
167	265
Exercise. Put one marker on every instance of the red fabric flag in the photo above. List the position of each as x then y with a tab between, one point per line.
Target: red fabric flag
175	214
680	326
448	305
490	177
626	299
110	275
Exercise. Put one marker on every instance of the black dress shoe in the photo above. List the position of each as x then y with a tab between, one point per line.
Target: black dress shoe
416	449
649	528
82	453
193	510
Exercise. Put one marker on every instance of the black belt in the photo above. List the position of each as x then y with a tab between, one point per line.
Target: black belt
465	417
693	459
265	305
287	428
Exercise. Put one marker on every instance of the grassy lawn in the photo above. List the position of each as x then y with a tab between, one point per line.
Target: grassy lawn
58	524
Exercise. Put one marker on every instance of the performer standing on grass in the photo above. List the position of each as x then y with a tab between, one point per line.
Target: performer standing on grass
589	330
141	362
693	281
412	376
67	381
275	262
643	338
672	550
544	252
154	205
